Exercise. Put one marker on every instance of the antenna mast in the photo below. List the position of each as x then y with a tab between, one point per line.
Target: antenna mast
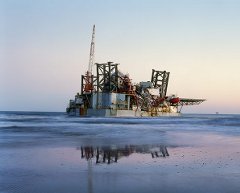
92	49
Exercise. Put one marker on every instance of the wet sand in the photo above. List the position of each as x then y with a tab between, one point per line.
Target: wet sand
186	162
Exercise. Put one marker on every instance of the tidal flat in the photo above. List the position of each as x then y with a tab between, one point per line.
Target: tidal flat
50	152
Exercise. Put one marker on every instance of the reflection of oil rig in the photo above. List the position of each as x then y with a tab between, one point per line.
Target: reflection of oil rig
112	155
112	93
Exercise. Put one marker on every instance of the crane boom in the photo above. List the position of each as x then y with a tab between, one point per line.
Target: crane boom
88	87
92	49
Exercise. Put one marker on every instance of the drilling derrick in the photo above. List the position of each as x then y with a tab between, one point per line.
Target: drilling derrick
88	78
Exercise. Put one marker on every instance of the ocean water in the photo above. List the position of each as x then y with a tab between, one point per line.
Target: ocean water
51	128
52	152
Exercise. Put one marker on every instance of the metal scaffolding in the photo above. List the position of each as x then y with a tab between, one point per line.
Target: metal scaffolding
160	80
88	84
107	77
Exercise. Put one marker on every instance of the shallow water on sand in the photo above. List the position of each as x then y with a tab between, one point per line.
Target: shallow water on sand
51	152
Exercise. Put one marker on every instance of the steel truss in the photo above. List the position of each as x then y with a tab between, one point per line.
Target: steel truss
107	77
160	80
88	81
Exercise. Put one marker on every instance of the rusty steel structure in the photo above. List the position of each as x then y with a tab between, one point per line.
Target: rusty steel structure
112	93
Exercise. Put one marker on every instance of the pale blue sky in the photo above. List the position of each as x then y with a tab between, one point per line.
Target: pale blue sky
44	48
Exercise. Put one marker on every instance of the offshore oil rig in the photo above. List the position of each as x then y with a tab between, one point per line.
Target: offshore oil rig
111	93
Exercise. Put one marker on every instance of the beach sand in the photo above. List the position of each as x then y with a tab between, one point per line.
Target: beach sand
192	162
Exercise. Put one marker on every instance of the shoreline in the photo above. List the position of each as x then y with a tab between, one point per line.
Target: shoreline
188	168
